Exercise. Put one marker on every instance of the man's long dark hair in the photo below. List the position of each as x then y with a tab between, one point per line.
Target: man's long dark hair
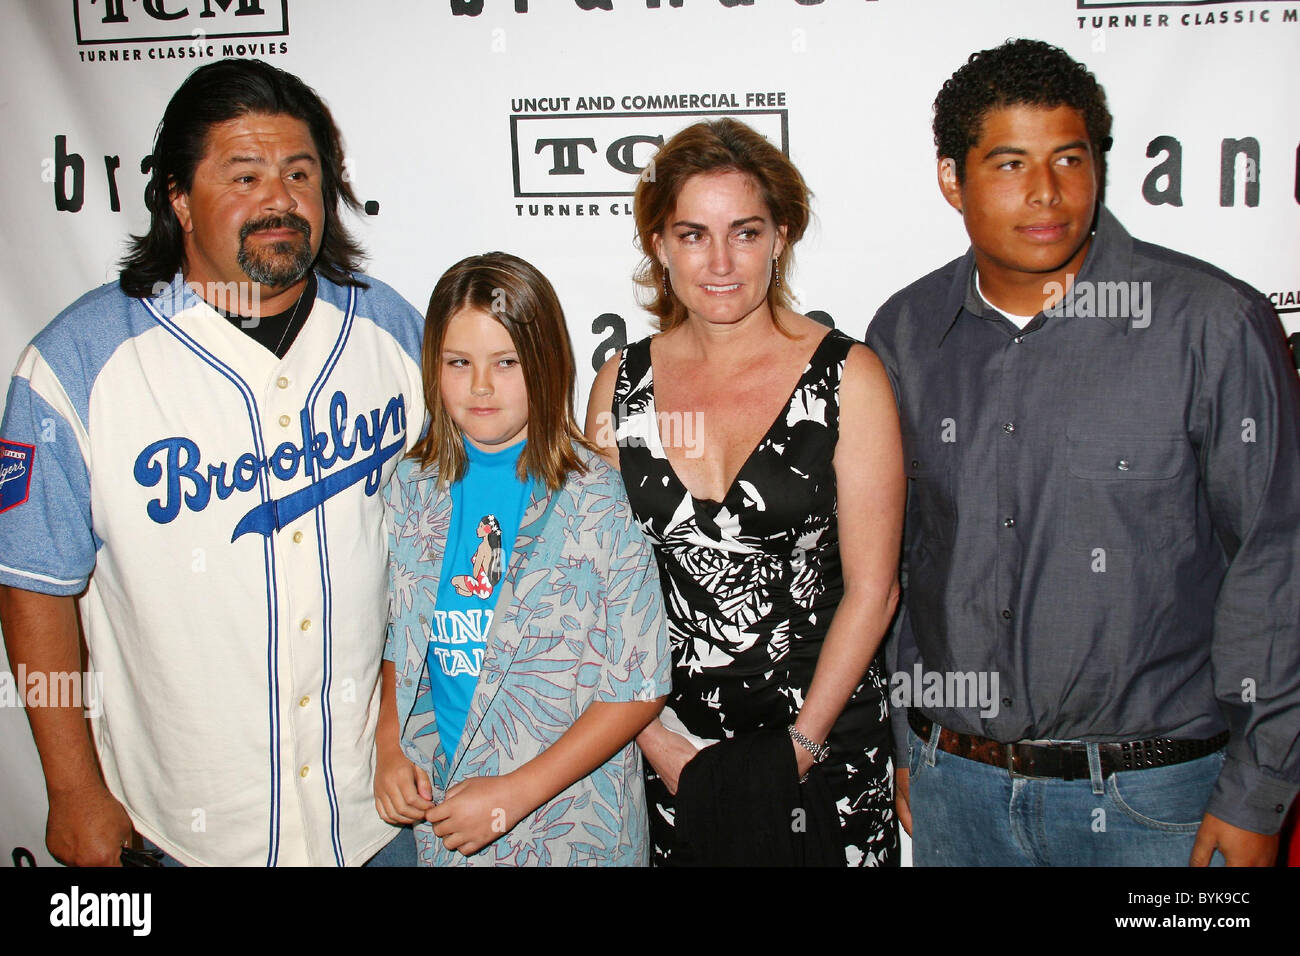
216	93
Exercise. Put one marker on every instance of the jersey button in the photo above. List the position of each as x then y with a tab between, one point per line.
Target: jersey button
305	625
282	382
304	701
284	421
297	537
304	771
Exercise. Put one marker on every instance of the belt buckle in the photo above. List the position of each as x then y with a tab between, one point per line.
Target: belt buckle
1022	762
1041	760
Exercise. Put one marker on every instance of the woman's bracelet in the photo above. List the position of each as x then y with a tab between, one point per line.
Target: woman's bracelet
819	751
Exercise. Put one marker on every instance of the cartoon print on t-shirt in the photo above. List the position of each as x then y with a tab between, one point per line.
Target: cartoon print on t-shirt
485	562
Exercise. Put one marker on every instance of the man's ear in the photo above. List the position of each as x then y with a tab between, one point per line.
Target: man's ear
948	183
181	207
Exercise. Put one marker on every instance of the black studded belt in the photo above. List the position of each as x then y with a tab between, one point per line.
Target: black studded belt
1067	761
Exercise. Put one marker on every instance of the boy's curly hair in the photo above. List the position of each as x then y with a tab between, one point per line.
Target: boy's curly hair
1019	72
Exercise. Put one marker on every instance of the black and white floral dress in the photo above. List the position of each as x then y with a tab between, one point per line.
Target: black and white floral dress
750	586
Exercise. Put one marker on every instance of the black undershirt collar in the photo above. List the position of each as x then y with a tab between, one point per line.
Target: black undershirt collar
273	332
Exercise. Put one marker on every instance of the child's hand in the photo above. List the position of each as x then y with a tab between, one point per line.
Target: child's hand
402	790
476	812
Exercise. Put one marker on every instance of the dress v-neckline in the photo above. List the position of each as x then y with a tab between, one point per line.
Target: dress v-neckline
781	415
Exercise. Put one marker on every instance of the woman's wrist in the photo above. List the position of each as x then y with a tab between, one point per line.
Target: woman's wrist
651	736
809	750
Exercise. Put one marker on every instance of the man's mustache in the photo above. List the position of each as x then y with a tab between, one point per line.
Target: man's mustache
288	220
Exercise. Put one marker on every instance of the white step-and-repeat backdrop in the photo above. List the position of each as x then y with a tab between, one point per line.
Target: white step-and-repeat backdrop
521	125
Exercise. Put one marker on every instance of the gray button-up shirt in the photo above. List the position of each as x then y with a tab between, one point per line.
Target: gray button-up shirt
1103	517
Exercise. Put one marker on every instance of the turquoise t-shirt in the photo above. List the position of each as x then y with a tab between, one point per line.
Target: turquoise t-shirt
486	507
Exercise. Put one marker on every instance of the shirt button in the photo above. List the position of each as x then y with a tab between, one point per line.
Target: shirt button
304	771
1009	428
407	682
915	463
304	701
284	421
305	625
1123	464
281	382
1280	808
1006	701
1018	339
1009	523
1006	614
297	537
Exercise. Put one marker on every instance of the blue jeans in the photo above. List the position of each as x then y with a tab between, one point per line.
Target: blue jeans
399	852
966	813
166	859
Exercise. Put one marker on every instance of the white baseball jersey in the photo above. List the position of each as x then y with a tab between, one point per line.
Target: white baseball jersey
220	509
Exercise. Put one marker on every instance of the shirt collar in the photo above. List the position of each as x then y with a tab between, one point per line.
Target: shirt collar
961	294
508	455
539	494
174	298
1109	259
171	299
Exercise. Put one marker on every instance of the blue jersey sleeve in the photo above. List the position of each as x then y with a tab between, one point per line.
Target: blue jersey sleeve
46	540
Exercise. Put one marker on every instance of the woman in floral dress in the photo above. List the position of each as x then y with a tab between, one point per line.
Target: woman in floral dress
776	530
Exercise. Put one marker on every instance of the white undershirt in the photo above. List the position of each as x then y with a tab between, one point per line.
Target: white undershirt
1019	321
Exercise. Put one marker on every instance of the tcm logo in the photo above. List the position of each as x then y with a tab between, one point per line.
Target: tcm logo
1108	4
603	154
133	21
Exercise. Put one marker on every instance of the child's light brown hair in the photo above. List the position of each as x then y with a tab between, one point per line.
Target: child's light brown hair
518	296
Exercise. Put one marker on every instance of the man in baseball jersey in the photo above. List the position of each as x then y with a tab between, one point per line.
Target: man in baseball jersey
192	457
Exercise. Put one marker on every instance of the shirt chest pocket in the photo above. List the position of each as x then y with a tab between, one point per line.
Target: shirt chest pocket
1129	493
931	516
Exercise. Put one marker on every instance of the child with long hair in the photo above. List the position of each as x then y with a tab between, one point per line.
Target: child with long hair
526	645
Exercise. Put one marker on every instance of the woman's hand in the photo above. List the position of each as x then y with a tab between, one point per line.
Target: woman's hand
476	812
403	793
803	760
667	752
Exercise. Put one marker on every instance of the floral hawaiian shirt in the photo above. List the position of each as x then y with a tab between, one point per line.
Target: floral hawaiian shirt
579	620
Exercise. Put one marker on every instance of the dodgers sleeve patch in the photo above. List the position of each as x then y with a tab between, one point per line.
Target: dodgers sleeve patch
15	473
